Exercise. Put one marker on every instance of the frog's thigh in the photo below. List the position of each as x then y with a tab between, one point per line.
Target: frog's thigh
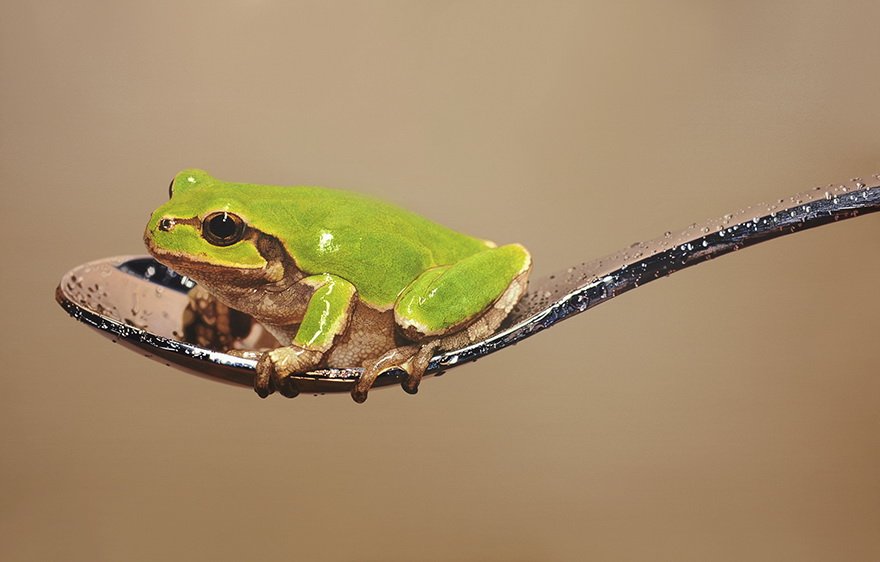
447	298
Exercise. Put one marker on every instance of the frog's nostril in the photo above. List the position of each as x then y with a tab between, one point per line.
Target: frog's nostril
166	224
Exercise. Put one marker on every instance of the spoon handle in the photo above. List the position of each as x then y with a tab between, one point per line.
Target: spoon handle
579	288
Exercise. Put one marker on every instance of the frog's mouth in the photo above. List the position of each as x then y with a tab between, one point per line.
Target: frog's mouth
217	277
264	260
185	248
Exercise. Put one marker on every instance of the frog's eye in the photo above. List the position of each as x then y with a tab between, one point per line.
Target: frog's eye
171	189
222	228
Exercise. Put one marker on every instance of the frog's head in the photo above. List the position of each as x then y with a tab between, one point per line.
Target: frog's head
203	231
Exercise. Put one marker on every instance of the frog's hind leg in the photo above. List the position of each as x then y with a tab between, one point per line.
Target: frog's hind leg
447	299
449	307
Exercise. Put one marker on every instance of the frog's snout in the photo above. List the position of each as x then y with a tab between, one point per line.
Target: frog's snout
165	224
148	238
154	226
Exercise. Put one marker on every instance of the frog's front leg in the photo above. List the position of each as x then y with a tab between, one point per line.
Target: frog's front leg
326	318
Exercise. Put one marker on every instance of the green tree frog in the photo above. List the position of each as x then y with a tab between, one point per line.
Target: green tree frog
340	279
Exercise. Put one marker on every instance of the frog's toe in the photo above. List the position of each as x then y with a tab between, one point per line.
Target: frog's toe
410	387
410	383
366	380
263	378
358	395
416	366
284	385
270	378
282	362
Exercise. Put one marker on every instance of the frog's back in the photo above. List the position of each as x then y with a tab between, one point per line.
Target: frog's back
377	246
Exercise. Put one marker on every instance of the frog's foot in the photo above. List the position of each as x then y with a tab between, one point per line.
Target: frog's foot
275	367
412	359
392	359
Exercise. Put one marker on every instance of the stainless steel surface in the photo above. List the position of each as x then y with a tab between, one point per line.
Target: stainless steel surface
139	303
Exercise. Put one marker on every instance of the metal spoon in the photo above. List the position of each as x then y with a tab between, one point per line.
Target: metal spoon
138	302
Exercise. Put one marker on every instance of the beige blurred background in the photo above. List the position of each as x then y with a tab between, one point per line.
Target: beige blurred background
730	412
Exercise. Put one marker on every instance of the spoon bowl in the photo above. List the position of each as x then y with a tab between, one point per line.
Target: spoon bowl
140	303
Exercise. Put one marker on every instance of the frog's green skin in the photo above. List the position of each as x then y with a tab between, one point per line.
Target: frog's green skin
340	279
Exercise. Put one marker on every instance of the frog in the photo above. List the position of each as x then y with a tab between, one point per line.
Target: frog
339	278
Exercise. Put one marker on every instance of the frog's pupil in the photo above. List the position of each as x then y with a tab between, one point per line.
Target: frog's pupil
223	227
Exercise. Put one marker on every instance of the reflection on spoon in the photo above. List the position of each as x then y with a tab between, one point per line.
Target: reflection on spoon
139	302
